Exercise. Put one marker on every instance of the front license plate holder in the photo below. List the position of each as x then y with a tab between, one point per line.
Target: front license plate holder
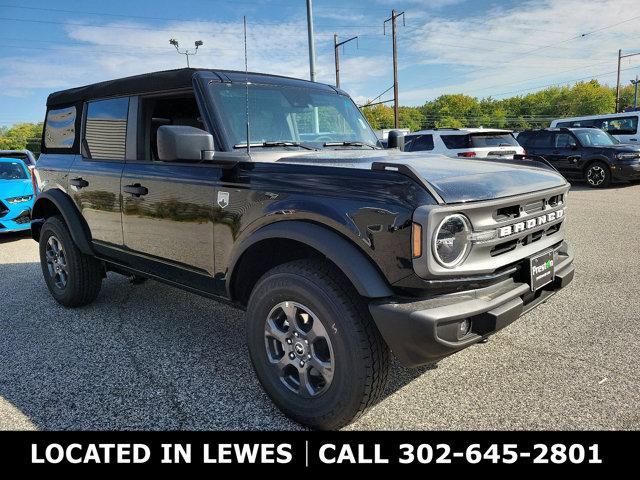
542	269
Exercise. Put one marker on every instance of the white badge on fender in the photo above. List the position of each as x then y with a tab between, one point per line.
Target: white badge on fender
223	199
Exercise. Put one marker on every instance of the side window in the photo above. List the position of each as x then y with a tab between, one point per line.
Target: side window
105	129
622	125
60	128
541	140
408	142
453	142
422	142
563	140
564	124
175	109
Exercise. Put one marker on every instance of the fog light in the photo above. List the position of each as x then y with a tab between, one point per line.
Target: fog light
463	328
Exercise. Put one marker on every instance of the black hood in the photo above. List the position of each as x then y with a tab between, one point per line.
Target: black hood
454	179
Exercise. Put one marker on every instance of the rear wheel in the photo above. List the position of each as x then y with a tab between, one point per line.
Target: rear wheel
73	278
598	175
314	346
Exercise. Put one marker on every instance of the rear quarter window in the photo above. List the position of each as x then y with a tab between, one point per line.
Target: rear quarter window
419	143
454	142
60	128
105	130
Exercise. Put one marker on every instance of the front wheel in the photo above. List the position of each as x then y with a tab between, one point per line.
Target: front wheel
314	346
598	175
73	278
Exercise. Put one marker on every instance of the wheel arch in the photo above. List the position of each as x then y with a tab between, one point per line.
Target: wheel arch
56	202
289	240
592	160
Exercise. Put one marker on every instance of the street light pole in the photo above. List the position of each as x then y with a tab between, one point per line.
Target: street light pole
312	43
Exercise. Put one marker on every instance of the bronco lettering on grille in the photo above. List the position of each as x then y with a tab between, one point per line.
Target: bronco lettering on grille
530	224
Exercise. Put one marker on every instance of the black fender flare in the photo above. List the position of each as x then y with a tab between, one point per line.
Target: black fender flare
360	270
596	158
78	227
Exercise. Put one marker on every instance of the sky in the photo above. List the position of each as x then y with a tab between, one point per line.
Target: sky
477	47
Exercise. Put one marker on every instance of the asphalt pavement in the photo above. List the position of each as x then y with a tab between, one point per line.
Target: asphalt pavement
153	357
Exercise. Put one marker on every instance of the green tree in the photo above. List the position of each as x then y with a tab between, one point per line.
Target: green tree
19	135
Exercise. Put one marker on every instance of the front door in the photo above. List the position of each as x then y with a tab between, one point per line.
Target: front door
168	212
565	153
168	207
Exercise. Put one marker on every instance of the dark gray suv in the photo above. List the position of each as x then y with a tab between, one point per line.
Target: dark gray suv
584	153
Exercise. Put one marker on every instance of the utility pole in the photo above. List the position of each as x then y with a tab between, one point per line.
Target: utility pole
393	19
312	43
336	49
620	57
635	92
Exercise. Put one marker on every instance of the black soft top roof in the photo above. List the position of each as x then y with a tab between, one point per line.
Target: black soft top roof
165	80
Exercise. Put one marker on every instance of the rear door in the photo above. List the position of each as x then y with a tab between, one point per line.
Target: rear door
94	177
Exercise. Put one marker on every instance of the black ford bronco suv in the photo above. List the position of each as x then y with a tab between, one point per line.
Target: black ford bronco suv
273	194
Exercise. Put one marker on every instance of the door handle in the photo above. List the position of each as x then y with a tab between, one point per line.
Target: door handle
78	182
136	189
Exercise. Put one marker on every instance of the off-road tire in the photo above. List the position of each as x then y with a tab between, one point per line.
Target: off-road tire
361	355
85	272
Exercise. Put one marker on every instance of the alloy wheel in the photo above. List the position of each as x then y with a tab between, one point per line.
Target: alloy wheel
57	262
299	348
596	175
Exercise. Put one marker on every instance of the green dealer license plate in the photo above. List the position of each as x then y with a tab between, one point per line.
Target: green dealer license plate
543	270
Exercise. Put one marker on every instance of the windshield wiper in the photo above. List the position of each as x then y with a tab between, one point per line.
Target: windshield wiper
274	144
350	144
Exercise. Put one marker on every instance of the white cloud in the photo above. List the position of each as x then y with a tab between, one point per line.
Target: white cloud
120	49
501	51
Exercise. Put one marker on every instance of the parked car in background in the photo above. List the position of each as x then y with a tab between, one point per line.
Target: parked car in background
17	192
623	126
25	155
467	142
584	153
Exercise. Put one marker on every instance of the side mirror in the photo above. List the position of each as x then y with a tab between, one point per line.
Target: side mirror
395	140
181	142
573	146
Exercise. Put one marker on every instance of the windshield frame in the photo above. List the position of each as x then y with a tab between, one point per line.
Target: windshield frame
228	137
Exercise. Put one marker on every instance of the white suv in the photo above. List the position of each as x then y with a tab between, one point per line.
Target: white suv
465	142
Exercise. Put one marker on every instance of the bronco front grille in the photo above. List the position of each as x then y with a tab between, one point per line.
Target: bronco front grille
504	231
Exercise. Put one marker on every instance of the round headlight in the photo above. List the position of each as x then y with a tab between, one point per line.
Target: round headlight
451	240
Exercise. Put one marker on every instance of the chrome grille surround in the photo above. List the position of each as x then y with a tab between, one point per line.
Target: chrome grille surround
490	254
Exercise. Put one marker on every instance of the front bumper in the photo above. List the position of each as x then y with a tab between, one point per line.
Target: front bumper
425	331
17	218
626	171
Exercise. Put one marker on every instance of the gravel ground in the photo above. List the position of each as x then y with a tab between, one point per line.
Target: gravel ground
153	357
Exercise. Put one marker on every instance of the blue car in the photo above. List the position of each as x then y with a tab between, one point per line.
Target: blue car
17	194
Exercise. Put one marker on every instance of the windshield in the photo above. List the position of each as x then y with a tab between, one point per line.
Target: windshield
294	115
493	140
594	137
12	171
